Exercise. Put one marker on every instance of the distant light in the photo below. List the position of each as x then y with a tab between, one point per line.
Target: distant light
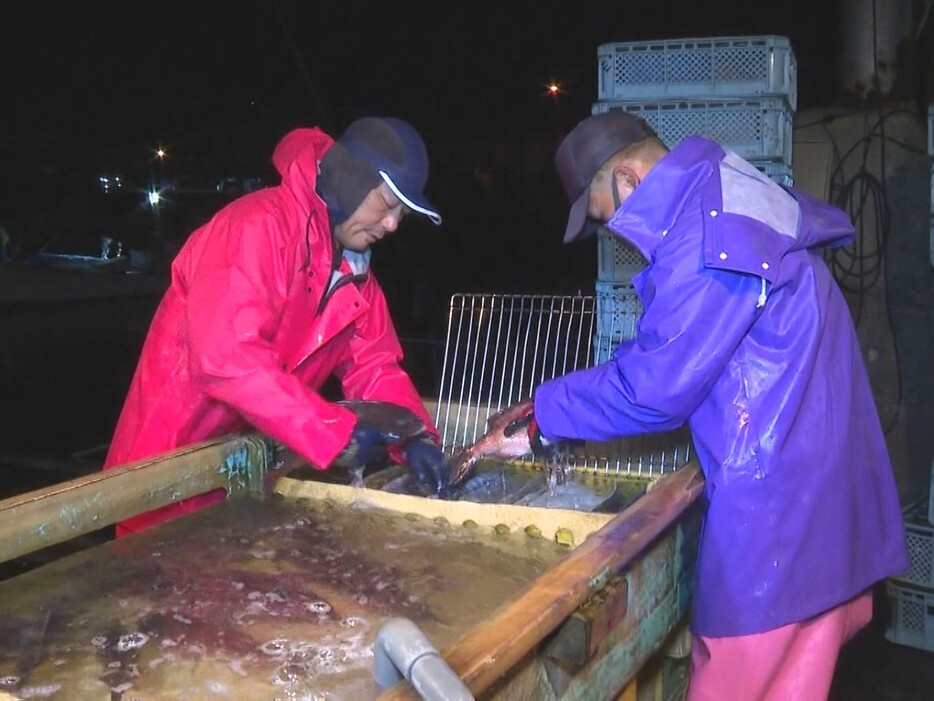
154	198
108	182
160	153
554	89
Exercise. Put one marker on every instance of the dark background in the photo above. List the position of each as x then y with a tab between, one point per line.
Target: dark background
95	88
117	73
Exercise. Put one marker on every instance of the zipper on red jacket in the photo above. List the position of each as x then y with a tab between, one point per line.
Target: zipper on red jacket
337	255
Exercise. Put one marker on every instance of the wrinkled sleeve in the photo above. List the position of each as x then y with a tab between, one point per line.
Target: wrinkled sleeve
372	367
234	300
694	320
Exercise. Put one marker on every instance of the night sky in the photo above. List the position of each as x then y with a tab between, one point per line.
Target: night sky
95	86
98	86
110	73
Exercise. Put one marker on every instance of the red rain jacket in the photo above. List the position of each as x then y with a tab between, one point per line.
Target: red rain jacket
240	338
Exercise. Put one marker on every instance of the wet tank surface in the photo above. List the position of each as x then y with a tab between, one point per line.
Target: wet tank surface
252	599
554	486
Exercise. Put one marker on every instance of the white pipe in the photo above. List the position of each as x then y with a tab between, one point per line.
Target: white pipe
403	651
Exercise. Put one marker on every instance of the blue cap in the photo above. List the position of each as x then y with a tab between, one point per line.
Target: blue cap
395	149
584	151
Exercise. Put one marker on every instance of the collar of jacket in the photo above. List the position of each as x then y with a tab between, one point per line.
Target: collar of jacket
351	264
650	211
346	267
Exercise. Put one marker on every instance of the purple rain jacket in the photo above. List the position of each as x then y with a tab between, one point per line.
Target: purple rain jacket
746	336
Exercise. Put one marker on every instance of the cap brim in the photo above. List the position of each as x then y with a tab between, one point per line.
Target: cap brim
420	204
577	219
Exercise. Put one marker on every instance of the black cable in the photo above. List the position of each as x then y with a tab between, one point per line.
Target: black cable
906	147
885	240
859	266
823	121
871	134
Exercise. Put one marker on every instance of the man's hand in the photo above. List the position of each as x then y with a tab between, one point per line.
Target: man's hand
427	463
380	427
367	444
527	425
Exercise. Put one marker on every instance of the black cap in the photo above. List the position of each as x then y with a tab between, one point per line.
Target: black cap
584	151
398	154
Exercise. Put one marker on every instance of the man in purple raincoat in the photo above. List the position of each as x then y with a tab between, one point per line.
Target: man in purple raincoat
747	338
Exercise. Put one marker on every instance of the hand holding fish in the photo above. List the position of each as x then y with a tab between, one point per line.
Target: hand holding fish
538	444
386	432
367	445
507	436
427	463
379	426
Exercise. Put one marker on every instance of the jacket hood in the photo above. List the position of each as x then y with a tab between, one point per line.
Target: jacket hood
728	184
822	224
296	157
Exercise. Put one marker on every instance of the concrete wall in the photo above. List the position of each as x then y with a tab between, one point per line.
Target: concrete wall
841	156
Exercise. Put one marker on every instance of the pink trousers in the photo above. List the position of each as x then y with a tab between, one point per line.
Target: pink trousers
792	663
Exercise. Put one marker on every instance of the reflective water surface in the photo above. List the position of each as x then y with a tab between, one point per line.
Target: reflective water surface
251	599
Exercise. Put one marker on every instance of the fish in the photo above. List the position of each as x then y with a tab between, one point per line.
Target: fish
504	438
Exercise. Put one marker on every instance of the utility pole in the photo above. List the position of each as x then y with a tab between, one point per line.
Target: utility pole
877	36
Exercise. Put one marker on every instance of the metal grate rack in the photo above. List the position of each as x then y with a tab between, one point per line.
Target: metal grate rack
500	347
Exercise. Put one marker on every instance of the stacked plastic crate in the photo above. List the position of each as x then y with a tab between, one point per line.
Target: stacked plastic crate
738	91
911	593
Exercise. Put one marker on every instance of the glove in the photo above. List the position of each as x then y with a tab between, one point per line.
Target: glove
538	444
427	463
367	444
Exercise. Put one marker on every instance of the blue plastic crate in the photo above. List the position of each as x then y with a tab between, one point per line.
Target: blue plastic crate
698	67
919	535
603	348
911	616
776	170
759	128
617	262
618	309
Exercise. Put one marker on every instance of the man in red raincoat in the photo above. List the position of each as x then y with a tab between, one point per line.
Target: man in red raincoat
272	297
